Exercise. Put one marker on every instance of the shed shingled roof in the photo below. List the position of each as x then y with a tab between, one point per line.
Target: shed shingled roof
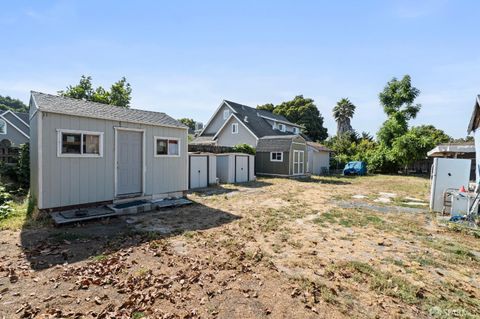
76	107
275	143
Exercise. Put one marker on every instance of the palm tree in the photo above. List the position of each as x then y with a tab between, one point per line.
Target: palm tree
343	112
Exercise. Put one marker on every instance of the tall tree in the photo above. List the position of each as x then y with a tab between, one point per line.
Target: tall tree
343	113
119	93
8	103
397	99
303	111
188	122
267	107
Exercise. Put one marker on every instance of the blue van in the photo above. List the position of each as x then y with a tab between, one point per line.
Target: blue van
355	168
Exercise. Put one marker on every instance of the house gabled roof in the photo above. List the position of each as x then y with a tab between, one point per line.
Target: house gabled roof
475	119
23	132
76	107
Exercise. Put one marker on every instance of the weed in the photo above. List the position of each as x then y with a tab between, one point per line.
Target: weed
100	257
138	315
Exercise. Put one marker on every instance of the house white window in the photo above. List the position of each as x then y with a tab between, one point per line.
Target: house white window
166	146
281	127
234	128
226	114
276	157
3	127
72	143
296	130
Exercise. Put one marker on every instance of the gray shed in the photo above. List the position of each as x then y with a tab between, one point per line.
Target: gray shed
202	170
281	156
235	167
84	153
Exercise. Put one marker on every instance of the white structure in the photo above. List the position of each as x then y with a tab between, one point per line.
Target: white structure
202	170
235	168
447	173
85	152
473	127
318	159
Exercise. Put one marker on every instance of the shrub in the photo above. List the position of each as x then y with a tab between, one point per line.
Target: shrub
23	166
244	148
5	203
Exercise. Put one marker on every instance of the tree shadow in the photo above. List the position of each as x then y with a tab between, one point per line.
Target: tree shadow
48	247
228	188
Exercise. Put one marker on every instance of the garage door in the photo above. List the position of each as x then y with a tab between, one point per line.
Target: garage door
198	171
241	169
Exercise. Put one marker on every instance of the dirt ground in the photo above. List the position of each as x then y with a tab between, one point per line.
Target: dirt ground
327	247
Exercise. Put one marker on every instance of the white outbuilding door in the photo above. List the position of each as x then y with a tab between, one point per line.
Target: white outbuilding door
298	162
241	169
129	162
198	171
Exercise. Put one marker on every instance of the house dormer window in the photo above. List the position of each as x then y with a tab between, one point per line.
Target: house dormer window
235	128
281	127
3	127
296	130
226	114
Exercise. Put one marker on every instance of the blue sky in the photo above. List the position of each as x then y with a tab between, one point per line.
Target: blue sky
184	57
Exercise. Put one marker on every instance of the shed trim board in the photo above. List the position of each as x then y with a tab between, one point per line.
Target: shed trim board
59	143
248	167
118	128
225	123
15	127
40	157
13	113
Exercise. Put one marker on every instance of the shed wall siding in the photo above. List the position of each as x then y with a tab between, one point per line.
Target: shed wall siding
226	138
72	181
265	166
34	156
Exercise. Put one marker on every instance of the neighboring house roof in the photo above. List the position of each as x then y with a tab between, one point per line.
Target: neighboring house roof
452	148
23	116
475	119
206	139
319	147
24	132
275	143
76	107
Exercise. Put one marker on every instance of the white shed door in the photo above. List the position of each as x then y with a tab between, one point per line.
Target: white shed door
129	162
298	162
241	169
198	171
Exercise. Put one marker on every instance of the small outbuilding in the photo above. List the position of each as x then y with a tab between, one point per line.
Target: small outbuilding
284	155
85	153
318	159
235	167
202	170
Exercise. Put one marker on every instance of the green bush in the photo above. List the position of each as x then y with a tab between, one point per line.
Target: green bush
5	203
23	166
244	148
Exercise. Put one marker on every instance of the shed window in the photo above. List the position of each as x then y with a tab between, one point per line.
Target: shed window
3	127
276	157
235	128
79	143
167	146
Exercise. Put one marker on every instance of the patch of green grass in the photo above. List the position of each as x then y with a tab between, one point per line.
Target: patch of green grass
100	257
138	315
350	218
24	215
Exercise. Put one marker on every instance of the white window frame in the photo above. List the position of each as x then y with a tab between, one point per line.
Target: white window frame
155	138
235	125
59	143
282	127
5	122
296	130
276	160
226	114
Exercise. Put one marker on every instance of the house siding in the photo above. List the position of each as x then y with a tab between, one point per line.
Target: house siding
72	181
265	166
15	121
14	136
217	121
226	138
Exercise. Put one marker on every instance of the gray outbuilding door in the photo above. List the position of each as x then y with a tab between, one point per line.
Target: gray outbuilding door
129	162
241	169
198	171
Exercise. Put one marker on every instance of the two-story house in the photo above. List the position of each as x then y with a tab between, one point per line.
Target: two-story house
280	148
